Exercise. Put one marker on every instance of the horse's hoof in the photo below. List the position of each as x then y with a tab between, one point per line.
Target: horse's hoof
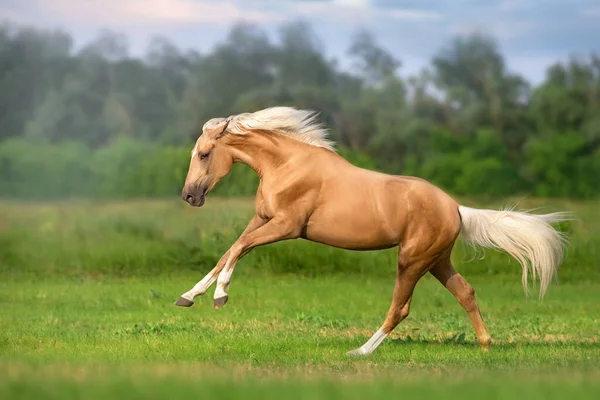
220	302
484	343
183	302
356	352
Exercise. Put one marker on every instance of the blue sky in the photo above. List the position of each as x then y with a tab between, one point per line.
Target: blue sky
532	33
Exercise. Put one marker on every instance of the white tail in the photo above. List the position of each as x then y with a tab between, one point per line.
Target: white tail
529	238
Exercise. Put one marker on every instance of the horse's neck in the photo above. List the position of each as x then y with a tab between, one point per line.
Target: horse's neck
262	154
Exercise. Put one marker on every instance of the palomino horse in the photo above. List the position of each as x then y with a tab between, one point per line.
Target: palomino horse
308	191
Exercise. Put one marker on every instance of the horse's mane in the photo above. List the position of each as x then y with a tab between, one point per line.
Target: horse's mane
297	124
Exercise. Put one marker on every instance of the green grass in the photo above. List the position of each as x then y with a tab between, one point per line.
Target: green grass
86	310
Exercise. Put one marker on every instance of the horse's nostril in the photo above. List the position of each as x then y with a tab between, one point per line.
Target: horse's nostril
189	198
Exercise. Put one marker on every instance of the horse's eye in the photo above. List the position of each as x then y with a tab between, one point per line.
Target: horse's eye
203	156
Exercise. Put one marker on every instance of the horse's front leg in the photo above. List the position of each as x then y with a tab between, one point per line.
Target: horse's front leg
187	299
275	230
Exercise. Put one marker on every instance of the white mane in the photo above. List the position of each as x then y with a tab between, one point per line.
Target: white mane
297	124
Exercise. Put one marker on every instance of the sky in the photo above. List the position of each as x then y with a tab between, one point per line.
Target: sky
532	34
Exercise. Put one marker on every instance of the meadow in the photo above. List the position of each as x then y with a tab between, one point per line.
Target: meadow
86	310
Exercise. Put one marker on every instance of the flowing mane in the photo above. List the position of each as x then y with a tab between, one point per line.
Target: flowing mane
297	124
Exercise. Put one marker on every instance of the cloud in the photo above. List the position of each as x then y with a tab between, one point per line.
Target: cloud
360	11
498	29
352	3
10	14
136	14
152	12
413	15
512	5
591	12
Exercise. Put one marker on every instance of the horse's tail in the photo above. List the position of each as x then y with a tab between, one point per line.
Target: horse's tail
529	238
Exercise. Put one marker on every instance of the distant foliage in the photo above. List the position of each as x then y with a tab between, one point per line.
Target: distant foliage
124	169
100	122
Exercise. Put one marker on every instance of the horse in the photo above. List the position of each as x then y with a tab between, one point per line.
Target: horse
308	191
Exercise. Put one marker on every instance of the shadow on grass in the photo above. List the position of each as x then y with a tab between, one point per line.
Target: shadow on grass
459	341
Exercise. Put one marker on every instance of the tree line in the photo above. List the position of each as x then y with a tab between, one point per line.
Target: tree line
99	121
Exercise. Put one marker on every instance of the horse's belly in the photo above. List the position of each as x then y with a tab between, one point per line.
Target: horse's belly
350	232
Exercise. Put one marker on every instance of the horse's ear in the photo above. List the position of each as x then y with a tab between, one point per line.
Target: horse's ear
215	128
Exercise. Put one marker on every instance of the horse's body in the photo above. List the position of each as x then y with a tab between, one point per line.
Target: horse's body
308	191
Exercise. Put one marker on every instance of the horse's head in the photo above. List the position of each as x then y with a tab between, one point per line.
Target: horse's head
210	162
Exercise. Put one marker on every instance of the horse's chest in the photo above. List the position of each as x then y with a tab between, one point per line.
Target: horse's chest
264	210
272	202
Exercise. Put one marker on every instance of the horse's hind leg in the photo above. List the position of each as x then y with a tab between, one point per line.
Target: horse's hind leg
409	272
398	311
465	294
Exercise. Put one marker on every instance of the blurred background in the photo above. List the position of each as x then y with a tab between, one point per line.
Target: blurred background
105	98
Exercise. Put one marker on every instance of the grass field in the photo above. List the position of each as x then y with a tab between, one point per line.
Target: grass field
86	310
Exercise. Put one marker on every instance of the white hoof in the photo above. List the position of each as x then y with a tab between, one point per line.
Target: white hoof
358	352
370	346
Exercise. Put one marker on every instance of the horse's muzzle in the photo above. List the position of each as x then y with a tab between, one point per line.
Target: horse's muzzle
195	199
